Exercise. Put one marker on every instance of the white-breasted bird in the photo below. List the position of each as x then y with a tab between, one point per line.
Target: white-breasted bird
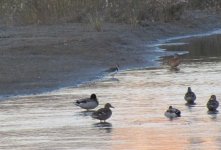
88	103
172	112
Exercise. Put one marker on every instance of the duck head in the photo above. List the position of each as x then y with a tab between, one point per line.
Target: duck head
170	107
108	105
213	97
189	89
93	96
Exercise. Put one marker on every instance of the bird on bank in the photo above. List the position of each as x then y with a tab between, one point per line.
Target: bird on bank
113	70
174	62
103	114
172	112
212	104
190	96
88	103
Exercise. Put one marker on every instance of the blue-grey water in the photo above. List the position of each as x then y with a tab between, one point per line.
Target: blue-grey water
140	97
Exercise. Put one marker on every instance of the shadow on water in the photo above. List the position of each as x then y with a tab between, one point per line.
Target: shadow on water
112	79
190	105
85	113
176	70
104	126
213	114
173	118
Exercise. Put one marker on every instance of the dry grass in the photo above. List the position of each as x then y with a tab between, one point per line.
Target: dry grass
120	11
96	22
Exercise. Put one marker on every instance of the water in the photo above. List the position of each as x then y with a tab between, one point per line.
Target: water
140	97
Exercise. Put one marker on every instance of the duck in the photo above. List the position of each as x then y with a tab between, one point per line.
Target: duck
172	112
174	62
88	103
113	70
190	96
212	104
103	114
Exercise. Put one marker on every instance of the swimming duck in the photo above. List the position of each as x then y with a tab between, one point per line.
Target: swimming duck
174	62
103	113
190	96
172	112
212	104
88	103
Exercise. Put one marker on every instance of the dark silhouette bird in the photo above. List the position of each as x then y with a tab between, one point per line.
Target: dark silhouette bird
113	70
190	96
88	103
212	104
172	112
103	114
174	62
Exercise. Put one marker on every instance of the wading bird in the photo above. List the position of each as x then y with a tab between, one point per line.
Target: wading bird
174	62
113	70
103	114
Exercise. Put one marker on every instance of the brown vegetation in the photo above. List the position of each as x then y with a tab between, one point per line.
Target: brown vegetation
121	11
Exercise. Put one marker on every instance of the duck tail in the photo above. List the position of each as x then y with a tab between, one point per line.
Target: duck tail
77	103
94	116
178	113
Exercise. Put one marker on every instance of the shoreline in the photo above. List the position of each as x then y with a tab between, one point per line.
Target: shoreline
46	58
156	45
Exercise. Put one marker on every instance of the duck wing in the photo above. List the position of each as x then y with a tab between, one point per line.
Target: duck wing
177	112
82	101
100	112
190	95
212	104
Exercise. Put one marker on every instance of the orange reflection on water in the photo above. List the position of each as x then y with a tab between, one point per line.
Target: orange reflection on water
148	138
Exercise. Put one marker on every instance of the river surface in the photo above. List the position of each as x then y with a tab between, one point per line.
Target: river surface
51	121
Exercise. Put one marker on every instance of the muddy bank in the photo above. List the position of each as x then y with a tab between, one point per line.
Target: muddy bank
42	58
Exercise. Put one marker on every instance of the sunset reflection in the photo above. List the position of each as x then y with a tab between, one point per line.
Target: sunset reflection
148	138
140	98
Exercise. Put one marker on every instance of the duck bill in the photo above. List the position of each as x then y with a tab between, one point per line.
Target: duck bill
111	106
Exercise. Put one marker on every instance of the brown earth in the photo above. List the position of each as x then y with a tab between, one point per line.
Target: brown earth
41	58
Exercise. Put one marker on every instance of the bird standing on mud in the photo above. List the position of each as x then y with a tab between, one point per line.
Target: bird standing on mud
212	104
103	113
174	62
190	96
113	70
172	112
88	103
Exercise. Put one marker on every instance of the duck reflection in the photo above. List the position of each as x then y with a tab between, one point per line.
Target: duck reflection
213	114
176	70
106	126
190	106
85	113
112	79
